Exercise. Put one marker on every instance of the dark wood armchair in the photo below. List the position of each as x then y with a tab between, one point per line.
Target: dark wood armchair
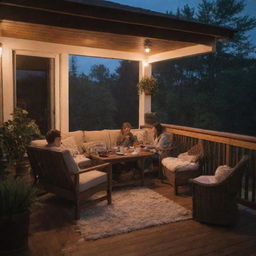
178	174
58	173
216	203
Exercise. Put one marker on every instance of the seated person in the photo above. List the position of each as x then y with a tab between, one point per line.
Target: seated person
126	138
162	145
162	140
53	138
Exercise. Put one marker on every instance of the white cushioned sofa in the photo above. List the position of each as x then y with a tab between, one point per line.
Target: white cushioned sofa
80	142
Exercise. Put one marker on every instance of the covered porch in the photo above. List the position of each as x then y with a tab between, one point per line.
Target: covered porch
105	30
58	29
58	236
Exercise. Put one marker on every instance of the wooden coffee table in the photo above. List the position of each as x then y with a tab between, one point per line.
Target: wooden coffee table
127	157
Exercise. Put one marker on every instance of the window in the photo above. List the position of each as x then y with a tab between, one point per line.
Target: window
102	93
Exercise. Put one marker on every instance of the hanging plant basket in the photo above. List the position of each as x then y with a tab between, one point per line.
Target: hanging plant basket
148	85
147	92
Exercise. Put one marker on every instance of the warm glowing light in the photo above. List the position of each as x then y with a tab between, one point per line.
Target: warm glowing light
147	45
147	49
145	63
1	50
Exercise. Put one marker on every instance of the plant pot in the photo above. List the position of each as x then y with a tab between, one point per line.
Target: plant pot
147	92
14	233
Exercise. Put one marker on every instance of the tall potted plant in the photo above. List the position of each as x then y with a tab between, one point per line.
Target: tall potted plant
15	136
16	199
148	85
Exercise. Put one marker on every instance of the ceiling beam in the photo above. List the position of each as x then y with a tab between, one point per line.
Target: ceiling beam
52	48
183	52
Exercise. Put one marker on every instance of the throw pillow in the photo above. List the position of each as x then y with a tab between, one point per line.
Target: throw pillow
175	164
222	172
94	146
78	137
141	136
186	157
149	138
70	144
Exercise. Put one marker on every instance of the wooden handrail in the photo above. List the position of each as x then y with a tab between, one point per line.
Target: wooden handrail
232	139
221	148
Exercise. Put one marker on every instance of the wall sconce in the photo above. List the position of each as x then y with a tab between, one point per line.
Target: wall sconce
147	46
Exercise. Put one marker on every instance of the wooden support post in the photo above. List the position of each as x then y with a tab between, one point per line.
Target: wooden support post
145	70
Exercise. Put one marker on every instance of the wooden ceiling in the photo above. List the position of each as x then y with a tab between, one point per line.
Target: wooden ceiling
100	27
92	39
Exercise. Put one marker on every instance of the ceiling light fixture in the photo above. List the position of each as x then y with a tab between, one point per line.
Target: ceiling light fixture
145	63
147	46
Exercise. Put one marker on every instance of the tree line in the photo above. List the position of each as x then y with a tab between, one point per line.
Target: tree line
213	91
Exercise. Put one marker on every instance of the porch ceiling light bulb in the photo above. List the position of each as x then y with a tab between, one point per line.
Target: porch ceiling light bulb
145	63
147	46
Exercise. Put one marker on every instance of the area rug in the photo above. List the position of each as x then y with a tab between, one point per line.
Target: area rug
131	209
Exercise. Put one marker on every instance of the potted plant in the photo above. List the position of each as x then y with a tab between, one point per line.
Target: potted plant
150	118
16	199
15	136
148	85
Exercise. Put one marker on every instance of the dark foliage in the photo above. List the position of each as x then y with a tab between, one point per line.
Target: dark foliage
213	91
101	100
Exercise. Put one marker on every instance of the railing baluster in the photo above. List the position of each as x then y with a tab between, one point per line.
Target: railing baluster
227	154
221	148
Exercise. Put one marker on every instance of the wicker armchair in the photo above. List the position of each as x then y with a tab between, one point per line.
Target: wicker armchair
216	203
178	174
58	173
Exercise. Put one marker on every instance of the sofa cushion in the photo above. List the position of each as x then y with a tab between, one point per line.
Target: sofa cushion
174	164
101	136
82	161
141	135
70	144
90	179
38	143
186	157
149	136
78	137
94	146
206	179
112	135
222	172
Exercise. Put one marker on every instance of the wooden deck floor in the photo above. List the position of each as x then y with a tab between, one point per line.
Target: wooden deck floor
53	232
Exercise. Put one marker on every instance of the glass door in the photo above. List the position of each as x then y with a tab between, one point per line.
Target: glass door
35	88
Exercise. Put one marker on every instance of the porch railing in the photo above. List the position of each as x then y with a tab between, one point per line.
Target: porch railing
221	148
